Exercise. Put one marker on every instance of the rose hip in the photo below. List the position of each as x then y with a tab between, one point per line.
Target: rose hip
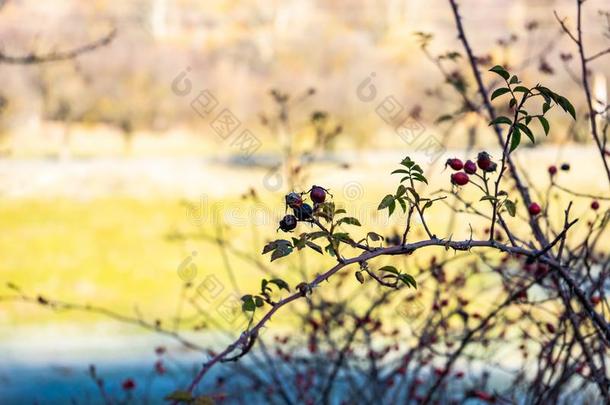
454	163
459	178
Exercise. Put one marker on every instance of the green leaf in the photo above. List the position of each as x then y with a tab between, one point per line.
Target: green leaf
258	301
203	400
408	280
400	171
567	106
545	107
499	92
419	177
315	247
316	235
281	251
546	93
545	124
501	120
299	243
390	269
179	395
527	132
274	245
374	236
500	71
281	284
348	221
280	248
400	191
386	202
510	207
521	89
392	207
403	205
248	303
515	139
269	247
326	210
407	162
341	236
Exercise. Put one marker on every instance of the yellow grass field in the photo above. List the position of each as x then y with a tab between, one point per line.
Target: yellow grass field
117	251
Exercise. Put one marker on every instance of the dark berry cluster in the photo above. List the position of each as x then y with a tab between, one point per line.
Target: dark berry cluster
302	211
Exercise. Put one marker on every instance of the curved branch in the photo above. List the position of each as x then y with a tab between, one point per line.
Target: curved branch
407	249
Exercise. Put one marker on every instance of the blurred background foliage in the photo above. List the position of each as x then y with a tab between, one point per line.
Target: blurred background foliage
240	49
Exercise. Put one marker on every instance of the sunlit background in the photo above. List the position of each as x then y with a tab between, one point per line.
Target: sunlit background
115	179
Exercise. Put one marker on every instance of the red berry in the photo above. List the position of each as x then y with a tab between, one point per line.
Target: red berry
470	167
159	367
128	384
541	270
459	178
482	395
552	170
595	205
596	299
550	327
317	194
484	160
534	209
454	163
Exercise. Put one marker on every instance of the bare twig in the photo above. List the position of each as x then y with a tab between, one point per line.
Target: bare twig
34	58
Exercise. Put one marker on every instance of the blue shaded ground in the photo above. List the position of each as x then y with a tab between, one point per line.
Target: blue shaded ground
53	384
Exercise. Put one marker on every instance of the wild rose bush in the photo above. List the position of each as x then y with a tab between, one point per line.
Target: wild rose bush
543	336
548	314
